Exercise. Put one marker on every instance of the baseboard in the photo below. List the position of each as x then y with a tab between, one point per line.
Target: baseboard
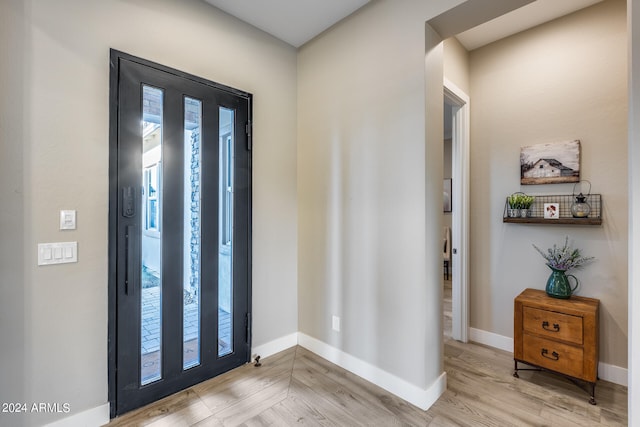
422	398
611	373
275	346
492	340
92	417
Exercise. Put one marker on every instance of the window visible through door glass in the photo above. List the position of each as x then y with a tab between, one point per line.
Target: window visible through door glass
225	232
151	238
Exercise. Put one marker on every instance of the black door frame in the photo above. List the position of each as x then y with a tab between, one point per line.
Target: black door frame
114	206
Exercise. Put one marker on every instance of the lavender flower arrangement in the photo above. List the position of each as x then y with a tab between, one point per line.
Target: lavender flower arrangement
564	258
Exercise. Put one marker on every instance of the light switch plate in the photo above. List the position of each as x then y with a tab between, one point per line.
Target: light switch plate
68	220
57	253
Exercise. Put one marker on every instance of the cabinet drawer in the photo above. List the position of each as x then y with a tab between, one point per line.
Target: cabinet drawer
554	325
553	355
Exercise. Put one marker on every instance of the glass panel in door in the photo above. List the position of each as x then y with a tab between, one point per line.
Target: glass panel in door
151	236
192	234
225	232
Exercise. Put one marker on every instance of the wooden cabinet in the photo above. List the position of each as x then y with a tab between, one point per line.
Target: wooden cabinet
560	335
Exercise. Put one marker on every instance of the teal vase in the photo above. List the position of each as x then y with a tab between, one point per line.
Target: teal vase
558	285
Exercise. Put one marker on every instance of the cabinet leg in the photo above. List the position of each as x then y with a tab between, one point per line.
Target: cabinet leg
515	372
592	400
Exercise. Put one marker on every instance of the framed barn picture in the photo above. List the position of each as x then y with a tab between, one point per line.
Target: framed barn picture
551	163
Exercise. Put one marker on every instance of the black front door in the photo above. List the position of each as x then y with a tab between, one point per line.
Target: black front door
179	231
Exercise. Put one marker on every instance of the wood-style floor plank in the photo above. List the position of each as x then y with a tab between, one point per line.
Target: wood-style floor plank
180	403
365	391
245	409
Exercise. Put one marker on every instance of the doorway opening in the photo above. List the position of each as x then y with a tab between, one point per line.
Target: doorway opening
456	232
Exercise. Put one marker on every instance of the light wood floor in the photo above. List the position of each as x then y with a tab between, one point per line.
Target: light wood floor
297	387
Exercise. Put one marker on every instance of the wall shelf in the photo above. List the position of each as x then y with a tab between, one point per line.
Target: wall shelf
565	217
565	221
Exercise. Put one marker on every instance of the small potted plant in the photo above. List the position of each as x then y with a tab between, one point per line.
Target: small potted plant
514	205
525	205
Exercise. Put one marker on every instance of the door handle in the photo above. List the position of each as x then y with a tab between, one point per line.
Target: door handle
129	277
128	202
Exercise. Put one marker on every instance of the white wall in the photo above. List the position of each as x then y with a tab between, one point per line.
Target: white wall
561	81
456	63
366	253
13	292
54	76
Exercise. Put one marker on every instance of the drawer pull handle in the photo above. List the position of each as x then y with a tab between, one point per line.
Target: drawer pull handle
554	355
556	327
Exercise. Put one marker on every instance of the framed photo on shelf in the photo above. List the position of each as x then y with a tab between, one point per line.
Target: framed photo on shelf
551	210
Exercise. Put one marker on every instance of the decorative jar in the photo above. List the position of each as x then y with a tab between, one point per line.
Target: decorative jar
580	208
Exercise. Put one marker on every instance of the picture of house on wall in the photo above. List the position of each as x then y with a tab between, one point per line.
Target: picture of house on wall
550	163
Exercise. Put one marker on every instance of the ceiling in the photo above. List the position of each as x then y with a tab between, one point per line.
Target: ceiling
293	21
521	19
298	21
